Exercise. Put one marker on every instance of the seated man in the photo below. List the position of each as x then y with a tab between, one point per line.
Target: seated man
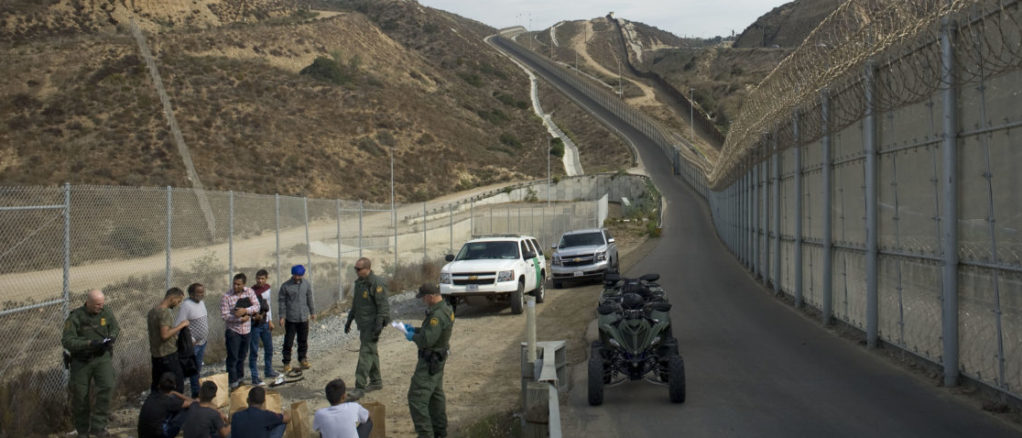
256	422
204	420
342	419
163	412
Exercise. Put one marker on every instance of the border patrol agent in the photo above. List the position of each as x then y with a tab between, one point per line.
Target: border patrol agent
371	313
89	335
426	399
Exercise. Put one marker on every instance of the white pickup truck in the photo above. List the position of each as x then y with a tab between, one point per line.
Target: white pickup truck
497	267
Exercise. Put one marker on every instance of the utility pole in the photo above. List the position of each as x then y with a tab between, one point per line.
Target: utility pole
528	31
692	112
620	88
393	210
548	174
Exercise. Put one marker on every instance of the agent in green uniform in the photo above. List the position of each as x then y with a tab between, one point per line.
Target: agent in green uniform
371	312
426	393
89	335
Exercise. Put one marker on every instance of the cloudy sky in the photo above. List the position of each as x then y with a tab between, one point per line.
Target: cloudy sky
698	18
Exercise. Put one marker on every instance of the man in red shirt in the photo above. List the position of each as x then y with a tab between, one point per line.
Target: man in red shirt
237	307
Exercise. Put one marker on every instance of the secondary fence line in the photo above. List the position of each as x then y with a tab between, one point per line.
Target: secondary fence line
136	242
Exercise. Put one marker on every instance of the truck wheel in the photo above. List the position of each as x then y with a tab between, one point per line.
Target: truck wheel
676	384
453	302
596	375
518	298
540	292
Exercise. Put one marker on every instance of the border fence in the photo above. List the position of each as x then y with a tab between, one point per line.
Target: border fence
882	189
134	243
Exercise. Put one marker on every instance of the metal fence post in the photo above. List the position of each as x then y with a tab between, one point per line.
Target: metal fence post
776	164
764	212
471	218
276	215
170	217
755	220
869	139
450	226
949	219
424	231
340	264
230	237
828	214
361	212
67	249
308	243
798	209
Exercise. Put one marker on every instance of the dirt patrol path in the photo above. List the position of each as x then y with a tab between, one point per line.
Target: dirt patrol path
482	376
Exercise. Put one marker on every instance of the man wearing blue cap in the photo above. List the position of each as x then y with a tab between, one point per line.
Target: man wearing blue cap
294	299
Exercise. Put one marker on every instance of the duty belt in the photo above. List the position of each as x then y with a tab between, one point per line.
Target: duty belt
425	353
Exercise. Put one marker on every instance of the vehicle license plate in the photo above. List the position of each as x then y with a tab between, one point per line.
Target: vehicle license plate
578	273
472	287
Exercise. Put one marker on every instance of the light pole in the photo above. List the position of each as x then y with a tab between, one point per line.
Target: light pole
692	112
548	153
393	211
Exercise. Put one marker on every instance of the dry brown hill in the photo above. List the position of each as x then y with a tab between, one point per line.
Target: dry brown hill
786	25
20	19
720	74
79	105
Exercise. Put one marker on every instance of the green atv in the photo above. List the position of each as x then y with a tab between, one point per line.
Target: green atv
636	340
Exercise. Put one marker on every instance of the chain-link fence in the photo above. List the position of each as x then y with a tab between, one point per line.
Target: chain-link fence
134	243
873	178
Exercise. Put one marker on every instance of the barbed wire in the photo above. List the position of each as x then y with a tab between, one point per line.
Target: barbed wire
900	40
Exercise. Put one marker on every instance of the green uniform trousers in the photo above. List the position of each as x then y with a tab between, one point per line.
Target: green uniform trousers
97	374
427	402
368	369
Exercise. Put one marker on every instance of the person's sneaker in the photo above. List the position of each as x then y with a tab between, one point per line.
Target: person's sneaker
306	365
355	394
257	382
374	387
234	385
271	374
287	368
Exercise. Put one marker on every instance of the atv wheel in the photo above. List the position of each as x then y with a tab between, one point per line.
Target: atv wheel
518	298
595	376
540	292
676	383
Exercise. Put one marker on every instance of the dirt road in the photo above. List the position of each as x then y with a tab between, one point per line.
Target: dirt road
482	377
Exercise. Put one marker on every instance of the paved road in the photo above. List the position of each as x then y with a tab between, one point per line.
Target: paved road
755	366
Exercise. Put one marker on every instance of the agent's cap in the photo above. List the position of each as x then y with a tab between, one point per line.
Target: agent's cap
427	289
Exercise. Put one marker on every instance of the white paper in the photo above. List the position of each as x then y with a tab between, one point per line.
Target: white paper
400	326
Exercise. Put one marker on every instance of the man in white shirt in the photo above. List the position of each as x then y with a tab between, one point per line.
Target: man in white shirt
193	309
342	419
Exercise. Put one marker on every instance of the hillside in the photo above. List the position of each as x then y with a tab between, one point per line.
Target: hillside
404	77
786	25
661	71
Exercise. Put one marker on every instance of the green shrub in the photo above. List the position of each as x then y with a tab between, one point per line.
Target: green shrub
472	79
557	147
493	116
328	70
509	139
132	241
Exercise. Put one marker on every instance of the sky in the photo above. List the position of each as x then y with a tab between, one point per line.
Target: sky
684	18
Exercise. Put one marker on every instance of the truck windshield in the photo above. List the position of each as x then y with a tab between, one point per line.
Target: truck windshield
488	250
582	239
